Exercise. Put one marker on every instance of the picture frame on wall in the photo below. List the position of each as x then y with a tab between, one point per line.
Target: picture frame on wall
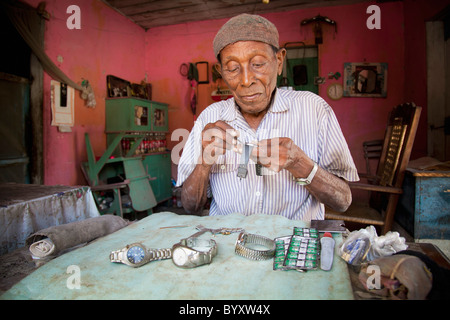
365	79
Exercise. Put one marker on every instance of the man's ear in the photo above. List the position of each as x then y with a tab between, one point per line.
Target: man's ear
281	55
218	67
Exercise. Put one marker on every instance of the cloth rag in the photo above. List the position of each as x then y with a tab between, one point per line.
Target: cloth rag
55	239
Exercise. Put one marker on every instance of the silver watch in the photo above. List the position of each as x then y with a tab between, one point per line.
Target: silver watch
193	252
137	255
307	180
243	249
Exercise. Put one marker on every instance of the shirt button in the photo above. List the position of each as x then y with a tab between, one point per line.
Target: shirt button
222	167
258	193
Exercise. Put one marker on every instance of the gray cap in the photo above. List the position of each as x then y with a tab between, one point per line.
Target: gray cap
246	27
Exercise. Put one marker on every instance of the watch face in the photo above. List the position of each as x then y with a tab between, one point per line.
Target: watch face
135	254
179	256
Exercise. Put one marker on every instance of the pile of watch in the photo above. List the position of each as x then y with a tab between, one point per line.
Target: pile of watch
193	251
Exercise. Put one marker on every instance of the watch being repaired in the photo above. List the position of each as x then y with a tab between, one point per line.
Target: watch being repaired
136	255
245	157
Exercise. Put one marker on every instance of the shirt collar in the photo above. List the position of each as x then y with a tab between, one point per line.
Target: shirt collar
279	104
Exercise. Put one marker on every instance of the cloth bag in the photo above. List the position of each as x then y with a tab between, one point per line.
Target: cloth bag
54	240
401	276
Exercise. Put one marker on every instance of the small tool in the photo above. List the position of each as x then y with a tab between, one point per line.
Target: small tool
224	231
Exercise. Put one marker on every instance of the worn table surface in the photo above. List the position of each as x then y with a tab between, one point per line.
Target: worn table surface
228	277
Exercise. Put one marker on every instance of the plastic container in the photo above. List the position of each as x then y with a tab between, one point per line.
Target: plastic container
327	251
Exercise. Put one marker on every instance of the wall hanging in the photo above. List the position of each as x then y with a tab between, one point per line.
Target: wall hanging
365	79
317	22
62	105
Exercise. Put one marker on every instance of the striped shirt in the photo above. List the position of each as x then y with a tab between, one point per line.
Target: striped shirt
301	116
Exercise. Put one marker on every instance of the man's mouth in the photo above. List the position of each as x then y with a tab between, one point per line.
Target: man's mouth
250	97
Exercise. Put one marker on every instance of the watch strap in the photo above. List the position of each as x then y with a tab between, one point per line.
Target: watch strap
161	254
307	180
118	255
253	254
245	157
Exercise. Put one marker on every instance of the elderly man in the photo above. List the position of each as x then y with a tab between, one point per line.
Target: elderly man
266	150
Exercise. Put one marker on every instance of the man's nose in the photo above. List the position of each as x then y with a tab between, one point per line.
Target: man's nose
247	77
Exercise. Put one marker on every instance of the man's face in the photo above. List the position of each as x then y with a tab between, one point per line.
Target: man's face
250	69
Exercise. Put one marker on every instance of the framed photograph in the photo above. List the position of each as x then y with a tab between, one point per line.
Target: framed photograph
365	79
203	71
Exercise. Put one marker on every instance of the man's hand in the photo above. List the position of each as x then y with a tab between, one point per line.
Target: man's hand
277	154
282	153
216	139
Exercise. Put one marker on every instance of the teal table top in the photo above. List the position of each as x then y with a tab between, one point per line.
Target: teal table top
229	276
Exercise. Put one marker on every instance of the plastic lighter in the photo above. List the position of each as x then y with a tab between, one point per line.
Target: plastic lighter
327	251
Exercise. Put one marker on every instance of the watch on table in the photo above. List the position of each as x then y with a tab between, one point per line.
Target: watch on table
307	180
193	252
136	255
244	244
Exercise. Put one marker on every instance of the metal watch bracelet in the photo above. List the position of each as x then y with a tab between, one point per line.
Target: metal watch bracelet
243	250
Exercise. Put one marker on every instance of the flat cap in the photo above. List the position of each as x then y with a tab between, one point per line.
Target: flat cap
246	27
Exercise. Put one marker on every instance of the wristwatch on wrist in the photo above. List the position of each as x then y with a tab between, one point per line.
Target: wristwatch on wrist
307	180
193	252
243	249
137	255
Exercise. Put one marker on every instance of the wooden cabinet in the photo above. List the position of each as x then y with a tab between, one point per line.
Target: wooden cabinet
134	114
159	166
139	127
424	207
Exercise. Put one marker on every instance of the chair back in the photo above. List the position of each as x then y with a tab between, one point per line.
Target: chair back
399	139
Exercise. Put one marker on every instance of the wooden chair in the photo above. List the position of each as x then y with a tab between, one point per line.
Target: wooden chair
372	150
386	185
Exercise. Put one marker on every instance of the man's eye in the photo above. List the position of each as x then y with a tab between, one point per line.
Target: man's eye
232	70
258	65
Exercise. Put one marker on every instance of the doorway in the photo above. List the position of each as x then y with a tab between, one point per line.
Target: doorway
438	82
21	95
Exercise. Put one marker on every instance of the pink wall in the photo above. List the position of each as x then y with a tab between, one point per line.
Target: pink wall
107	43
360	118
